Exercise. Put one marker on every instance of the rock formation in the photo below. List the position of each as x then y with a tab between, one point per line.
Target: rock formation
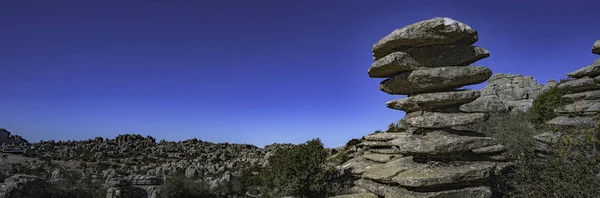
134	186
512	93
584	94
429	61
7	138
23	186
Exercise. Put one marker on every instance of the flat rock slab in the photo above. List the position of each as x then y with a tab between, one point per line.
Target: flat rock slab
430	101
485	104
580	85
434	79
358	165
596	47
443	120
359	195
588	95
572	121
590	71
444	175
385	172
371	144
383	136
380	158
385	151
490	149
440	142
581	106
427	56
436	31
389	191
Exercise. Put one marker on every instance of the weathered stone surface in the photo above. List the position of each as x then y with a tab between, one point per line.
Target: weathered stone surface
383	136
572	121
490	103
580	85
440	142
489	149
358	165
381	158
590	71
359	195
386	151
385	172
444	175
375	144
389	191
436	31
588	95
427	56
580	106
23	186
596	47
434	79
443	120
430	101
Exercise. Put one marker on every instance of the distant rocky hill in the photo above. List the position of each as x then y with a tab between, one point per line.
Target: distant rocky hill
7	138
508	93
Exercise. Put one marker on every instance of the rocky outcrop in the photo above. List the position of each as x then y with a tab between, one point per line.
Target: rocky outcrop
134	186
429	156
596	47
584	97
7	138
505	93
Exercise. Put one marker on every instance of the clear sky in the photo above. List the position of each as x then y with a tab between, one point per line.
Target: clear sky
244	71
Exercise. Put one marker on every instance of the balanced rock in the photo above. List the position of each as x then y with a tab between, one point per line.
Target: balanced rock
434	79
436	31
430	61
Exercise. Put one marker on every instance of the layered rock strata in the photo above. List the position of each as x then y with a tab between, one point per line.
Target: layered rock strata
584	97
429	61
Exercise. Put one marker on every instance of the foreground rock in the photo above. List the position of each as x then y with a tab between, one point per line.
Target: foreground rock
428	158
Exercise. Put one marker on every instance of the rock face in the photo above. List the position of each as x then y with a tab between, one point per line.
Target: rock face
584	96
504	93
23	186
429	156
134	186
7	138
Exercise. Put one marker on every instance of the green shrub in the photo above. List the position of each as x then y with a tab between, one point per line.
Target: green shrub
180	186
301	171
543	106
352	142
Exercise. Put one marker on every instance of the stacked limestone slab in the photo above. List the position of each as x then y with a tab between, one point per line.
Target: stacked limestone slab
586	94
429	61
585	97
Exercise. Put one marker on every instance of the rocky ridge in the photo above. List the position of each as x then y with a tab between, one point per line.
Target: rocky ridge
7	138
429	61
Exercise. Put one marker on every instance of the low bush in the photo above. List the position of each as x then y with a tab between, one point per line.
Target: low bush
303	172
181	186
543	106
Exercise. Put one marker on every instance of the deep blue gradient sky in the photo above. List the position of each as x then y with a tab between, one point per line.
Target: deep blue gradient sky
243	71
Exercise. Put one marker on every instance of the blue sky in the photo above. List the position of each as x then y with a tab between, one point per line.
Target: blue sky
243	71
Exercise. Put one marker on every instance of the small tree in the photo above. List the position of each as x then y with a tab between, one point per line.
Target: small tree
300	171
543	106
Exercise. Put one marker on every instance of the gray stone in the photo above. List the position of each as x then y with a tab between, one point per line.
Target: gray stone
590	71
427	56
581	106
596	47
358	165
440	142
389	191
381	158
434	79
588	95
23	186
490	149
572	121
580	85
444	175
359	195
436	31
489	103
443	120
430	101
375	144
385	172
386	151
383	136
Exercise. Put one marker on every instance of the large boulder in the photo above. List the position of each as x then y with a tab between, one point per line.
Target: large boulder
434	79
